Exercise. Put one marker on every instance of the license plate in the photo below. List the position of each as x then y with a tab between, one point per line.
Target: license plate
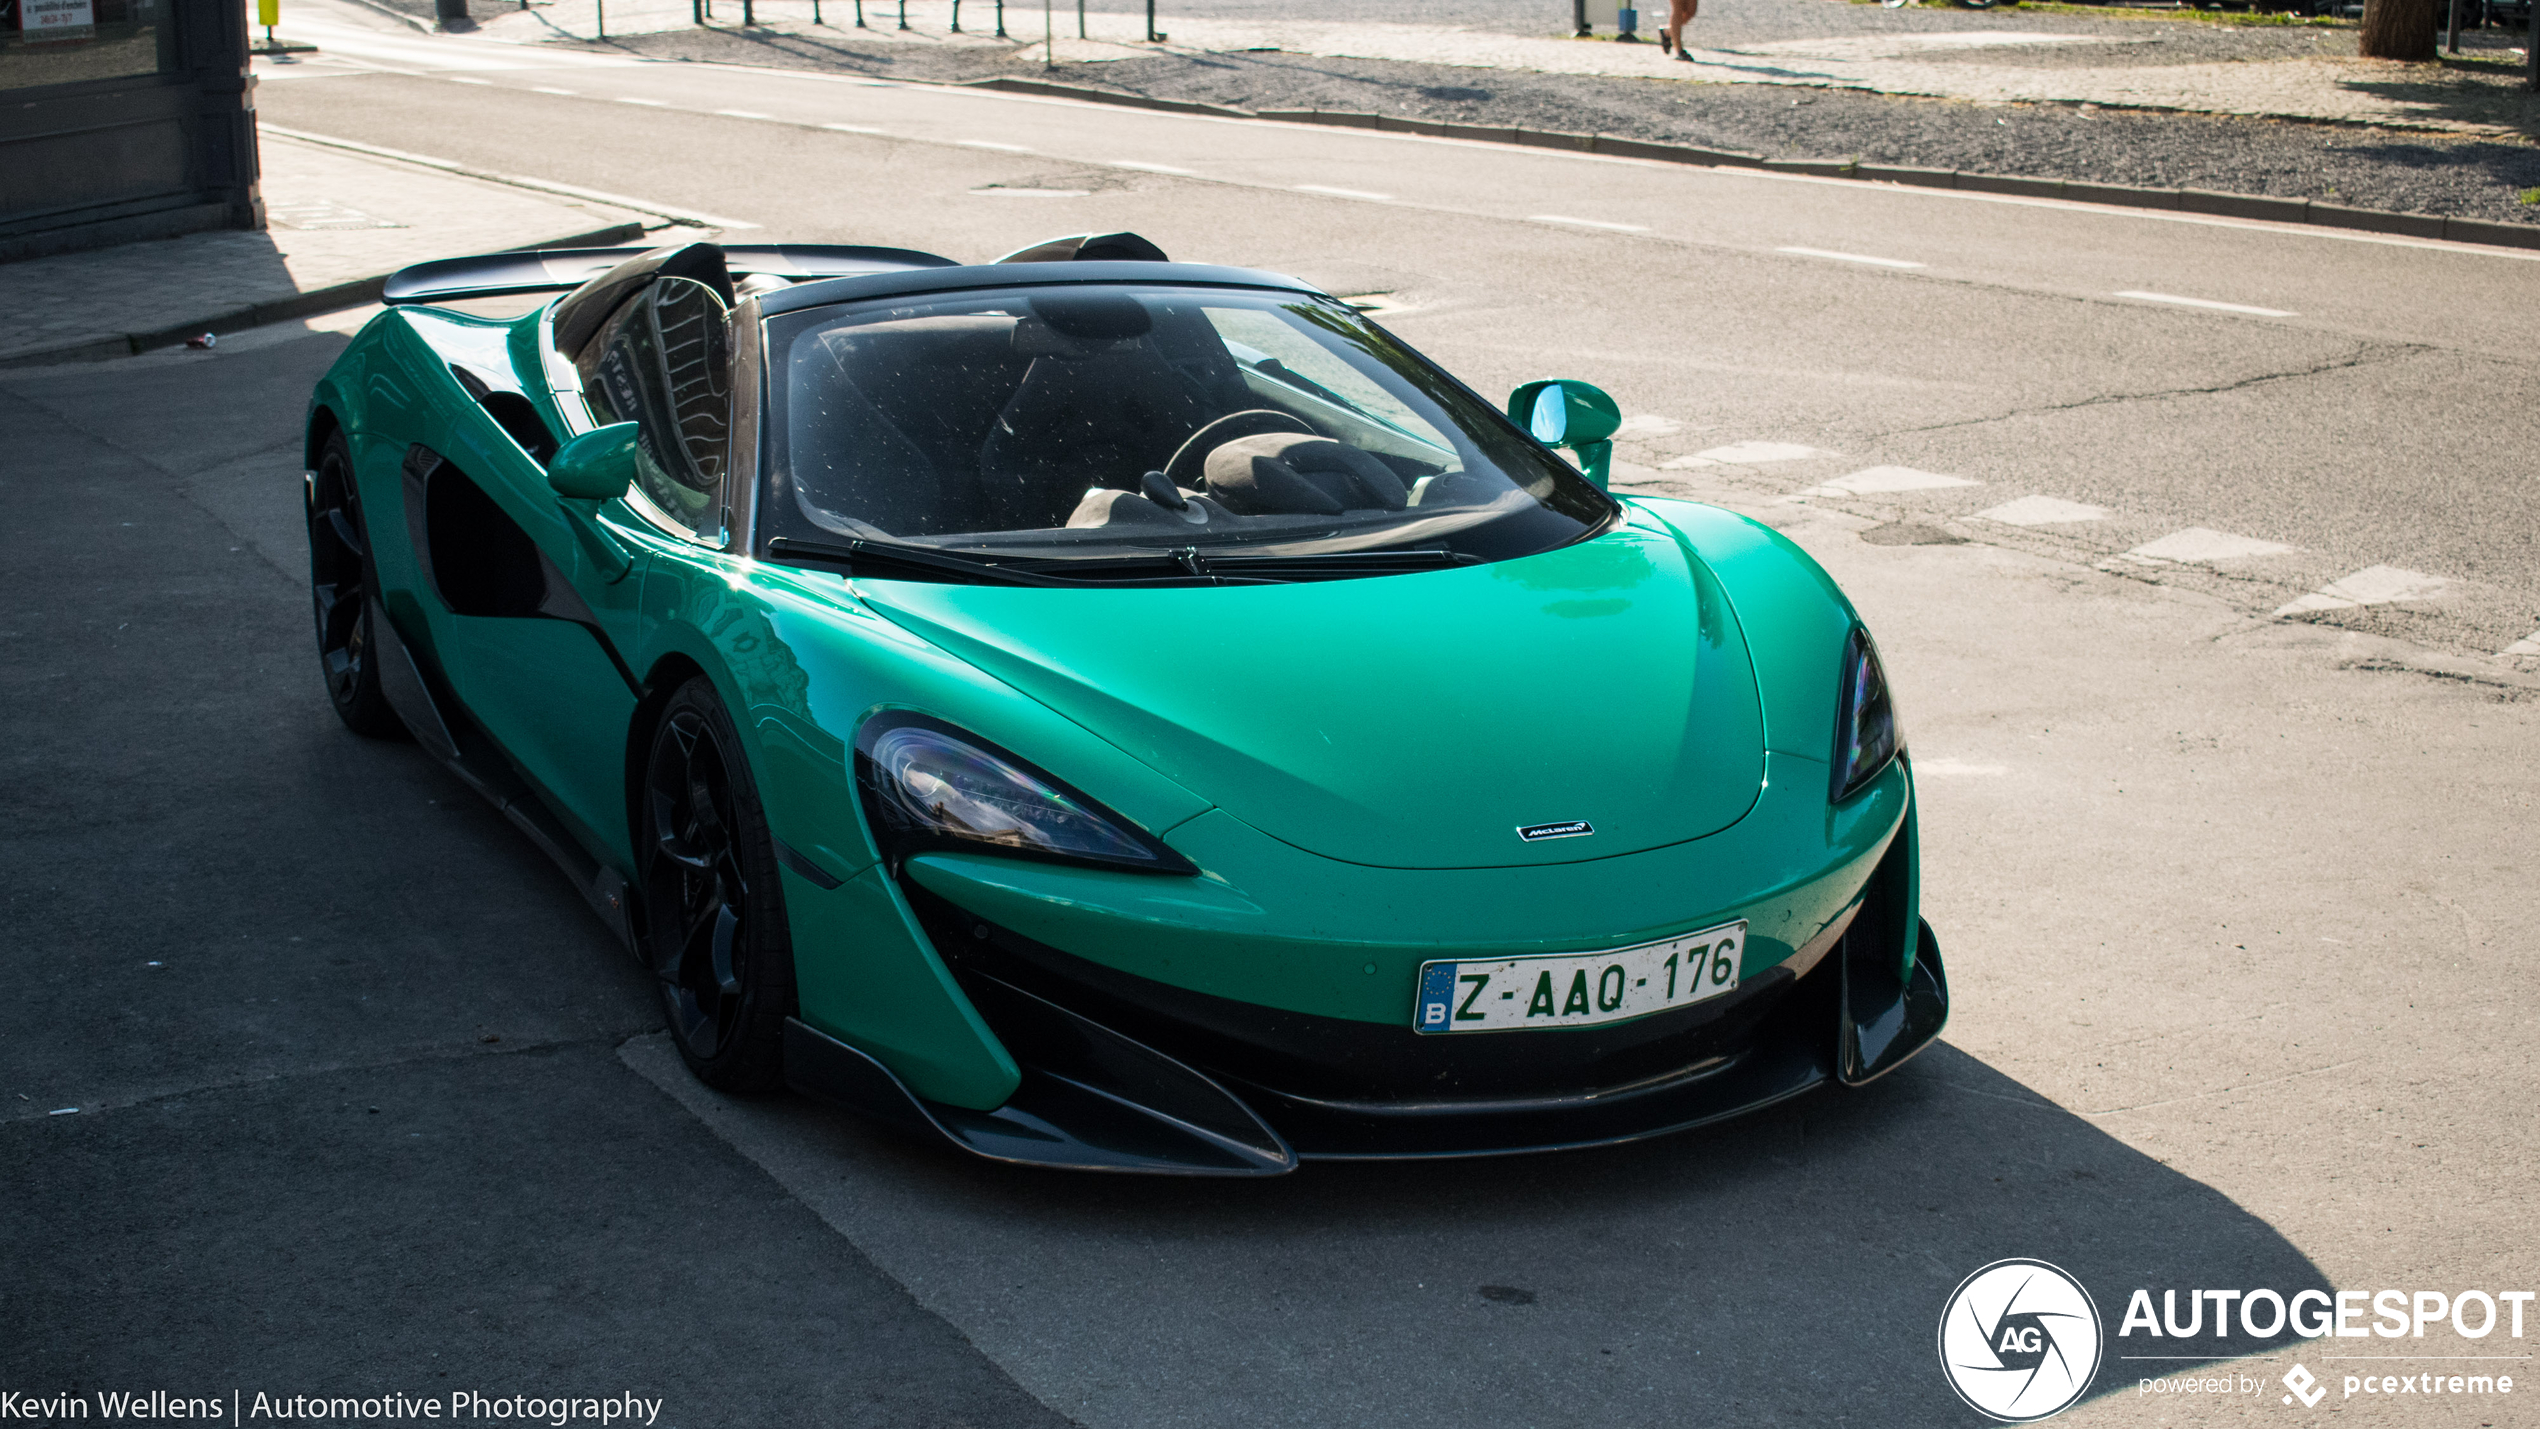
1579	989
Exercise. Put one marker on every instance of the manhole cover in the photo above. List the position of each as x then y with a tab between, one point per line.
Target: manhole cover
322	214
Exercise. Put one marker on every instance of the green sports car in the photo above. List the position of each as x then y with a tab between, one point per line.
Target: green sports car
1109	713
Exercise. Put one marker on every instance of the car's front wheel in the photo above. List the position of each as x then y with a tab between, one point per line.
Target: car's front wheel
714	913
343	585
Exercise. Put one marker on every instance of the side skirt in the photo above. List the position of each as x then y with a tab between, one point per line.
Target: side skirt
442	727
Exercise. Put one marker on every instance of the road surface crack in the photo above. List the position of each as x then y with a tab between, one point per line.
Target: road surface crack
2365	355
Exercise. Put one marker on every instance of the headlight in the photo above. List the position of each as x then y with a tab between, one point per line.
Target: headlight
929	785
1865	732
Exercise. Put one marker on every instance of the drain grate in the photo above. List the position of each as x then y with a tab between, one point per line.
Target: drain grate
322	214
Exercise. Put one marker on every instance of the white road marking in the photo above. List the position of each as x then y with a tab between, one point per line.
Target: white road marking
855	128
549	89
1344	193
1947	767
2206	303
1589	223
743	114
465	79
1852	257
1748	454
993	144
1145	167
2199	544
1648	425
2373	585
660	210
1030	193
637	99
1878	480
2528	645
2043	511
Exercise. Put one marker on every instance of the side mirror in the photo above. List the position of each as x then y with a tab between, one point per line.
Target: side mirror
1562	412
595	466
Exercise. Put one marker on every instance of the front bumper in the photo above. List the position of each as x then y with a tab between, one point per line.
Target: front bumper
1127	1073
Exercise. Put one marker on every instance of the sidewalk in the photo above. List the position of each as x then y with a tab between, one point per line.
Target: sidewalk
1996	66
339	223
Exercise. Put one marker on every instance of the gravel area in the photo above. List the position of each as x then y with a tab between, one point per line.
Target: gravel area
2364	167
1723	23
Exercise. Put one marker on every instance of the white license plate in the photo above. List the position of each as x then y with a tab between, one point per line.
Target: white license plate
1579	989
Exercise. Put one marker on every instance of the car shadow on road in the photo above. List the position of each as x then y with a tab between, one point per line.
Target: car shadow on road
1793	1263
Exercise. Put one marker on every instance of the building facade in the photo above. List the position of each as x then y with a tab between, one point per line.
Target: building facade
123	119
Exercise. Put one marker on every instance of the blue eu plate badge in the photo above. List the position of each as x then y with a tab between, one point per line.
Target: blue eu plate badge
1437	995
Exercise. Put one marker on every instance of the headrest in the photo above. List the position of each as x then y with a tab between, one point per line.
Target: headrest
1090	248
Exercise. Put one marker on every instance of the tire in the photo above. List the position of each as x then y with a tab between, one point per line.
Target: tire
343	589
714	913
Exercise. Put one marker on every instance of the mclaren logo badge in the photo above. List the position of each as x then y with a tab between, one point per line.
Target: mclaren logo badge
1566	829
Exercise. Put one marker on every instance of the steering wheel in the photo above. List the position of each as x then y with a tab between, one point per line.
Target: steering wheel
1185	469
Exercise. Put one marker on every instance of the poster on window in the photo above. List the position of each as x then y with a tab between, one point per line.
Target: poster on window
45	21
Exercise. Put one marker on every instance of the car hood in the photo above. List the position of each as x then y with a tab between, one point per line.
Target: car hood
1408	721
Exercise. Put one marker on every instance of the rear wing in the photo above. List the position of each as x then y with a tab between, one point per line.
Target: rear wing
494	275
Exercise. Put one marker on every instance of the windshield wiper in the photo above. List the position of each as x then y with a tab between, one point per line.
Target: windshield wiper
890	560
1187	565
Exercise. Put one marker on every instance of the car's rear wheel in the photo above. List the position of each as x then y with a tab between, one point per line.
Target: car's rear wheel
714	913
343	586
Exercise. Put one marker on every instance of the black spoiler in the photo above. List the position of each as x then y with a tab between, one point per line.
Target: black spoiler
494	275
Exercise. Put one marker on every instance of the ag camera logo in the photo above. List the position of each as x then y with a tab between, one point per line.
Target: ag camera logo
2019	1341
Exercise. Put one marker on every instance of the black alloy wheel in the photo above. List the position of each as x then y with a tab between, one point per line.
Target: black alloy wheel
714	914
342	585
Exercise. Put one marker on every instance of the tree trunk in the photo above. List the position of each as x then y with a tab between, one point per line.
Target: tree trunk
2398	30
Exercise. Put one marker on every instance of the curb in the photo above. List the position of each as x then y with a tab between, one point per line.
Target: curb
351	294
1122	98
2206	201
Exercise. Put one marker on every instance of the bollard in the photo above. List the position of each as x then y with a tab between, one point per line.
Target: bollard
1001	19
749	13
1153	38
1578	18
956	25
903	14
1080	19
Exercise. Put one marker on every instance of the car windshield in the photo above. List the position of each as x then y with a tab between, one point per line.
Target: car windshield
1071	423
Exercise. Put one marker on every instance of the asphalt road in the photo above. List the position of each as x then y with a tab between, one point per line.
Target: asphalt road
2237	908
